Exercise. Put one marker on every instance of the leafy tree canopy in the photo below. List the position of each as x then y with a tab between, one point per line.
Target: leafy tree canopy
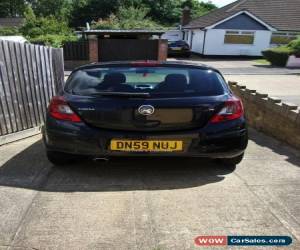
46	30
49	21
58	8
127	18
12	8
165	12
78	12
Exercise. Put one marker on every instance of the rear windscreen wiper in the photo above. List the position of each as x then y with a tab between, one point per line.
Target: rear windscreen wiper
125	94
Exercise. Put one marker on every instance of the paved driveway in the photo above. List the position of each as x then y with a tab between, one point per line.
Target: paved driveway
146	203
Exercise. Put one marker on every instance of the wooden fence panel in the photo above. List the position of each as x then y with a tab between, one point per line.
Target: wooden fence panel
29	76
127	49
11	90
76	50
58	69
7	108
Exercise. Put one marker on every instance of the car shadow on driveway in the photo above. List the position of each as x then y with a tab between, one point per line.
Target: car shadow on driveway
30	169
281	149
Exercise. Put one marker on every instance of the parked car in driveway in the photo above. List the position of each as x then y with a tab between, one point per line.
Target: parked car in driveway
145	109
179	48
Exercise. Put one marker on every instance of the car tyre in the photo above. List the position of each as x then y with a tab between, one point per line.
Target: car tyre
232	161
59	158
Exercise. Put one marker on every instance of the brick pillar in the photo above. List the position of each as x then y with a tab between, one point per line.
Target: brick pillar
162	50
186	16
93	49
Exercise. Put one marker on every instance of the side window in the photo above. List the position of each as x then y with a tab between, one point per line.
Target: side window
239	37
280	38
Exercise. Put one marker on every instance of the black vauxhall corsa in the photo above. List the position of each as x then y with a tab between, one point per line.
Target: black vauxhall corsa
145	109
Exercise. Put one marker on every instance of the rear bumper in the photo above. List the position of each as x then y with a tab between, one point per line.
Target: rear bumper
227	141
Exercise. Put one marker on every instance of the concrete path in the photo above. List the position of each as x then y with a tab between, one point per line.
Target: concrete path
146	203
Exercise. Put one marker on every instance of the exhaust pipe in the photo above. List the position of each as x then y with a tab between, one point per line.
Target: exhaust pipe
101	159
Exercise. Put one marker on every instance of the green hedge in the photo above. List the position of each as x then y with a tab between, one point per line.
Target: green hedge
278	56
56	41
9	31
295	45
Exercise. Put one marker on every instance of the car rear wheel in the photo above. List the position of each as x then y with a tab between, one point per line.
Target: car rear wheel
59	158
232	161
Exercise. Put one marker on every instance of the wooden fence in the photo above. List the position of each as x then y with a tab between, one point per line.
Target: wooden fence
29	76
127	49
76	50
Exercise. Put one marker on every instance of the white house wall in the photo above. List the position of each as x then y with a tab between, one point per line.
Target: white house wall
214	44
188	36
197	43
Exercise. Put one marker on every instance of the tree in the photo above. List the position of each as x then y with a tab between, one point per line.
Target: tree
12	8
127	18
199	8
84	11
165	12
58	8
46	30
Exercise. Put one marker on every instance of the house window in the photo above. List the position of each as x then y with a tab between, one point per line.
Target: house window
279	38
239	37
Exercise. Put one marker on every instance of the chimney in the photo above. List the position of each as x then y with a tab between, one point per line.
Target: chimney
186	16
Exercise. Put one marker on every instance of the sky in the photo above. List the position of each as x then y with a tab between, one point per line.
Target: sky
221	3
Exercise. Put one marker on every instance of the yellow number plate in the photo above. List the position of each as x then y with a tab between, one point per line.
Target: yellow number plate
146	145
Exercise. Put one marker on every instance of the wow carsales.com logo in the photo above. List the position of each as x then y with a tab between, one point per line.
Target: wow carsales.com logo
243	240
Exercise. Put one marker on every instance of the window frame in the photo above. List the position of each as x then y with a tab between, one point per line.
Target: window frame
284	34
239	33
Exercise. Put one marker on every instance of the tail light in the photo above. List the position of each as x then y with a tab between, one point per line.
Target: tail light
233	109
60	110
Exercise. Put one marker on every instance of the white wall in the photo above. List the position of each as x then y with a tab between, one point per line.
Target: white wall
197	43
188	36
214	44
173	35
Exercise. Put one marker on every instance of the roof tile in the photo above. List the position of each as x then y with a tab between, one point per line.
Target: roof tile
280	14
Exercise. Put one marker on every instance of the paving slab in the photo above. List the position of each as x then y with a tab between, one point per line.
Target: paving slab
146	203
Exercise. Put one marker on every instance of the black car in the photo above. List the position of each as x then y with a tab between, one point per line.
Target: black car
179	48
145	109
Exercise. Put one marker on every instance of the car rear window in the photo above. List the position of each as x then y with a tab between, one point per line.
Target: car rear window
172	81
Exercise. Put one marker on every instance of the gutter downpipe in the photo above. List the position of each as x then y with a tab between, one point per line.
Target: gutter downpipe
192	38
204	39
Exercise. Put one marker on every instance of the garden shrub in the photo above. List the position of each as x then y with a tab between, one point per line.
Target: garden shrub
56	41
46	30
278	56
295	46
9	31
127	18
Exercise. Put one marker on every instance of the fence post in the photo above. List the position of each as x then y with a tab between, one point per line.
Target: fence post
58	68
162	50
